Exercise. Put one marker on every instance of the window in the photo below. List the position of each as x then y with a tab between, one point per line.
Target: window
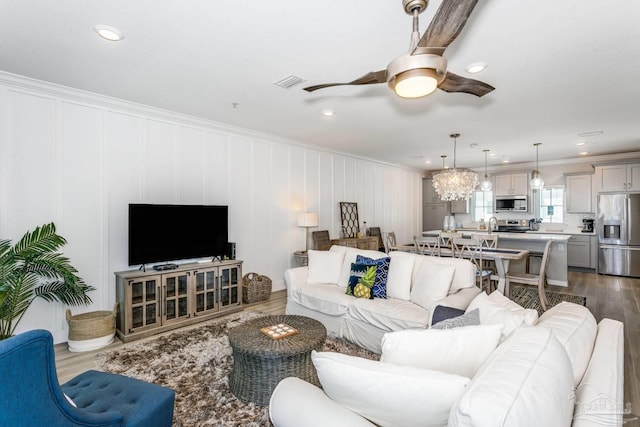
481	205
550	206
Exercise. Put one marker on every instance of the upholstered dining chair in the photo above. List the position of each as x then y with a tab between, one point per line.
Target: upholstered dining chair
471	249
31	395
538	280
426	245
321	240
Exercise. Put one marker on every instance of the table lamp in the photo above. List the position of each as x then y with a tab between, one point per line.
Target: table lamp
307	220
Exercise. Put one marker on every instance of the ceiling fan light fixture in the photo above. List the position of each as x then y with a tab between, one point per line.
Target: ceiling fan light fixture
413	76
415	83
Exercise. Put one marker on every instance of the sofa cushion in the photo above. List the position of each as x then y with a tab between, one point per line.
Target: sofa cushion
324	266
386	394
431	283
527	381
576	328
380	285
327	299
350	255
464	276
496	308
361	280
471	318
399	280
459	351
389	314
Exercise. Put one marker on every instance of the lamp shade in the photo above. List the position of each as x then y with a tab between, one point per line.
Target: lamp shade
307	219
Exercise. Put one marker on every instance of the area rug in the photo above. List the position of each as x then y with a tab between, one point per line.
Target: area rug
196	363
527	297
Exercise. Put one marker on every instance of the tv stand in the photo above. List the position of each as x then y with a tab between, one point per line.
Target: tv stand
154	301
163	267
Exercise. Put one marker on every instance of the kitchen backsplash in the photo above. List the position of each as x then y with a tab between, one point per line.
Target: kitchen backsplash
571	221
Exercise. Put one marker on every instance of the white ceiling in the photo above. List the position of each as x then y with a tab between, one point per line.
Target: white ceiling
560	68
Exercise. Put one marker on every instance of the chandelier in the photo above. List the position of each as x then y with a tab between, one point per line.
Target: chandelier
455	183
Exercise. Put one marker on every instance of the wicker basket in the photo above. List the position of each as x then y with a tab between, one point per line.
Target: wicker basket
89	331
255	287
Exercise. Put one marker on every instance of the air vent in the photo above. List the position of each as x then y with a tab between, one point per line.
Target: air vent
289	81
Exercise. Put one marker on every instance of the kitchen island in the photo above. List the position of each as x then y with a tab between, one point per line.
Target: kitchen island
557	271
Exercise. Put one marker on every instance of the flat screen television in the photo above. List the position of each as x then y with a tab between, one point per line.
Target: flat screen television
159	233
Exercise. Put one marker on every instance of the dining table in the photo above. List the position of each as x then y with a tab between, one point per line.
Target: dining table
502	258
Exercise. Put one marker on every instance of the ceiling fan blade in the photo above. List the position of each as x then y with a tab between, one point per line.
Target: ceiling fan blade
449	20
456	83
371	78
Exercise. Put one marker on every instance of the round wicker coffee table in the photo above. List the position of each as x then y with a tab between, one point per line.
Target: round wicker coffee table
260	362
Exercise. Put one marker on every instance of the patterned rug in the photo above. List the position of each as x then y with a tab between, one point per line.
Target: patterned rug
196	363
527	297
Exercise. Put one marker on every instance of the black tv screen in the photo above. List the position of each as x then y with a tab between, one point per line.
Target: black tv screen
174	232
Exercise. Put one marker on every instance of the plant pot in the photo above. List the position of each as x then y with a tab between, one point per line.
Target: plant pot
91	331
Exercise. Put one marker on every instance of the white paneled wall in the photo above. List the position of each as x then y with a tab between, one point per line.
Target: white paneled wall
79	159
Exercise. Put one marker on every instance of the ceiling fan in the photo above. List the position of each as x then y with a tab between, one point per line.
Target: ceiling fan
424	69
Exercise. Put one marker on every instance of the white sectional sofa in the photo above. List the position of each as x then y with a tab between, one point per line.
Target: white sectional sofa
415	284
563	370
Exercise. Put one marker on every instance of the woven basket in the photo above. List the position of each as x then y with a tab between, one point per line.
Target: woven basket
255	287
95	324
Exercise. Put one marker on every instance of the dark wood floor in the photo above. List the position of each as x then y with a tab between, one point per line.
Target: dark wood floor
607	296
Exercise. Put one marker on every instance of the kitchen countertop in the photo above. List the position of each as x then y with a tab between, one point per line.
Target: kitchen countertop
513	236
574	231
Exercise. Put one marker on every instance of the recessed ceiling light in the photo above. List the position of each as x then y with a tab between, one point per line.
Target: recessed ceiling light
580	143
428	162
476	67
505	160
109	33
328	113
474	145
584	153
492	154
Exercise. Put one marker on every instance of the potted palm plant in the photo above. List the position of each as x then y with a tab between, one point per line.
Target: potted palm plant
34	268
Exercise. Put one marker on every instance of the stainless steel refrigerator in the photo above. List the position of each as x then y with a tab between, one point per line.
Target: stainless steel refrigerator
618	228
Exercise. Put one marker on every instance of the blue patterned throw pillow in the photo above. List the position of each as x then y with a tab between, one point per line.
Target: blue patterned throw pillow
361	280
380	285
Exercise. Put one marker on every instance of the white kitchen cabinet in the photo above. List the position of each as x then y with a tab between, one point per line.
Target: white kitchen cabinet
578	193
512	185
624	177
579	251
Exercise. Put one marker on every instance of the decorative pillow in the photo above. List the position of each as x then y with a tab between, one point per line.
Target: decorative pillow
361	280
471	318
380	285
442	312
576	329
497	309
431	284
459	351
399	279
324	266
389	395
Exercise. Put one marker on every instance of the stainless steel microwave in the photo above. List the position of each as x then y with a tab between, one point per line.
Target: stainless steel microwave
511	204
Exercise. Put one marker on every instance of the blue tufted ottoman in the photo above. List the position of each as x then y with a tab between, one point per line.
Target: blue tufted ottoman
141	403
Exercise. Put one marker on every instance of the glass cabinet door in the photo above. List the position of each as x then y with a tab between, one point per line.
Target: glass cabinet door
229	286
206	291
176	295
143	296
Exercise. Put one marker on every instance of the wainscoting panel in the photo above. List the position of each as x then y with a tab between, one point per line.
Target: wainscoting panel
79	159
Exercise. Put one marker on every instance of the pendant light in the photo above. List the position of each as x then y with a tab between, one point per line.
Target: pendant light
537	182
486	184
455	183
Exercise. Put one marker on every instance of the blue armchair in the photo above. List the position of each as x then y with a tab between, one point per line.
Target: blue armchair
30	394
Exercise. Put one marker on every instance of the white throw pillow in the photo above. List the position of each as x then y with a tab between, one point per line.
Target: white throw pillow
386	394
526	381
399	278
576	329
431	284
349	257
459	351
497	309
324	266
